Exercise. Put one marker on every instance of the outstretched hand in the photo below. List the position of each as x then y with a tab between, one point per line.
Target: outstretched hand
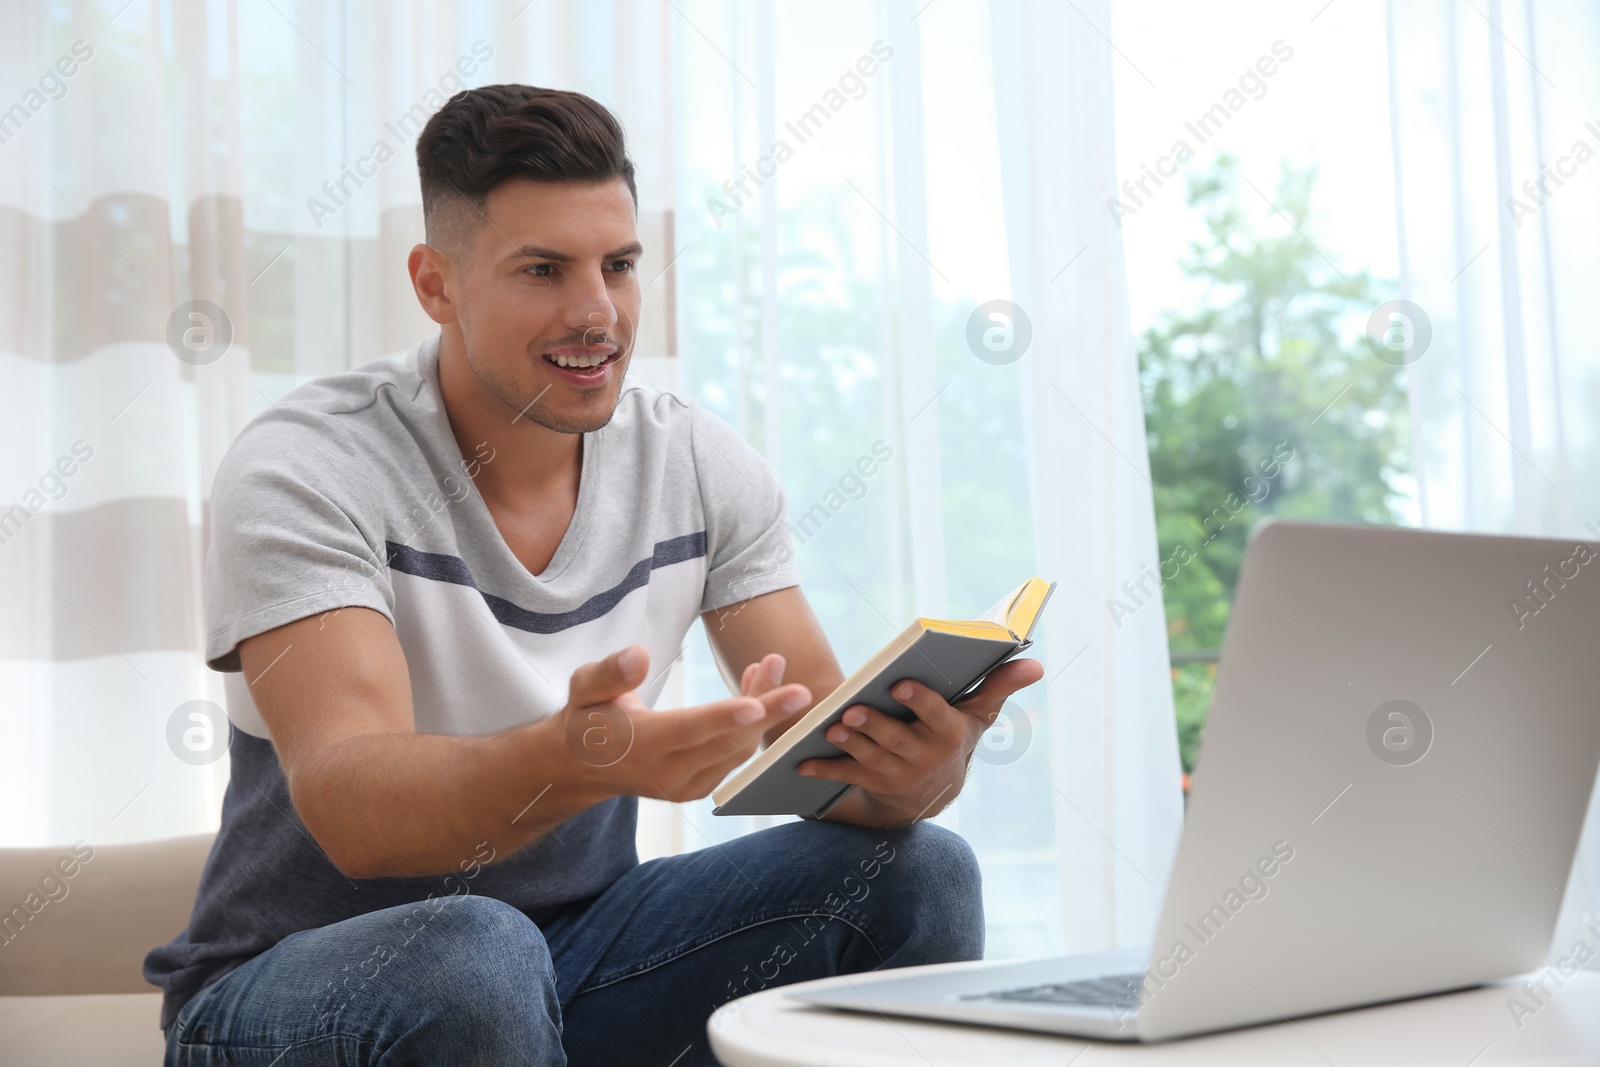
678	754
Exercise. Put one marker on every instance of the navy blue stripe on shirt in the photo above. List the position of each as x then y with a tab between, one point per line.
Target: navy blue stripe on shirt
441	568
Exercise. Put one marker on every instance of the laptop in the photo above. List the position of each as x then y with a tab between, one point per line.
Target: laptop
1401	747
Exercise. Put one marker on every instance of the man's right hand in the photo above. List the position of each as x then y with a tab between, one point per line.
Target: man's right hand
383	800
677	755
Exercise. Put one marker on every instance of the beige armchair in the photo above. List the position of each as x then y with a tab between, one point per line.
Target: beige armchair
71	988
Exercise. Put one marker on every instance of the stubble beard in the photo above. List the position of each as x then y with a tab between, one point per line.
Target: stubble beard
532	404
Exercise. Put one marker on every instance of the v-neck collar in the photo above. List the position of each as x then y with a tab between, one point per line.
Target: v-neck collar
588	487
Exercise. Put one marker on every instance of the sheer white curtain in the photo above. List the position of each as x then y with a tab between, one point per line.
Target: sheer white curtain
1114	750
830	197
260	157
1496	124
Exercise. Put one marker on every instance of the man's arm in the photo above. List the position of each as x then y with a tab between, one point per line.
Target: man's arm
383	800
906	771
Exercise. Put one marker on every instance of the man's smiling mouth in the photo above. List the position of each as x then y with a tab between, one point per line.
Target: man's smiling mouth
583	361
590	359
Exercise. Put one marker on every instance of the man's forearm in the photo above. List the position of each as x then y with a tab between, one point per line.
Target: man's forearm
400	804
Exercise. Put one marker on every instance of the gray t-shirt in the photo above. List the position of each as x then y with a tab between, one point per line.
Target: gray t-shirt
353	491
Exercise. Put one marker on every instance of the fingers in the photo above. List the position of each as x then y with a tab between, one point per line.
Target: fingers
887	732
786	699
713	752
712	741
881	748
688	728
867	752
1005	680
607	679
681	754
839	769
897	764
762	675
931	709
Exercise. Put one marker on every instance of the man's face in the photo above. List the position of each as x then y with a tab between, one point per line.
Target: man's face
549	301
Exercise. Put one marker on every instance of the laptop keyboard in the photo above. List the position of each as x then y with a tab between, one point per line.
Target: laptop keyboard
1110	991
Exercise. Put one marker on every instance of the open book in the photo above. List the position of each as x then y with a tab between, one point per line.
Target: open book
949	656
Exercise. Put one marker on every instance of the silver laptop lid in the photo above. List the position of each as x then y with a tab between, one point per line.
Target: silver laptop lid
1401	747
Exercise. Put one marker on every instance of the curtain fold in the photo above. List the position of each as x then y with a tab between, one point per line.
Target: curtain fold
1496	123
1114	758
912	280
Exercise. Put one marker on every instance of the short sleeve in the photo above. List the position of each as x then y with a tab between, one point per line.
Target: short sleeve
293	534
748	547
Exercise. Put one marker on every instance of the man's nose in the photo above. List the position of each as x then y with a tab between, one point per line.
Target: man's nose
594	315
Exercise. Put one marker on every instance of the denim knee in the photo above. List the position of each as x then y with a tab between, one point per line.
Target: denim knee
937	885
480	943
918	888
480	973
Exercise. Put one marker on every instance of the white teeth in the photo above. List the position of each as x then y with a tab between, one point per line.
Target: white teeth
579	362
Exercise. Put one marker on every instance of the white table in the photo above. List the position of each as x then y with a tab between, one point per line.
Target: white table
1453	1030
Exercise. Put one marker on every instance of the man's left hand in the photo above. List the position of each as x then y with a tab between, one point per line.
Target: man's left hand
911	770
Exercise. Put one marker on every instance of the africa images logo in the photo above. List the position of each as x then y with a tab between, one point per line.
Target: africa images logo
1399	733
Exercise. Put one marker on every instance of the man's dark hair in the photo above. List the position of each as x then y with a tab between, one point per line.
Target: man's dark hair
485	137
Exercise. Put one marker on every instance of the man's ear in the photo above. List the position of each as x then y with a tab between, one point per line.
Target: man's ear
435	280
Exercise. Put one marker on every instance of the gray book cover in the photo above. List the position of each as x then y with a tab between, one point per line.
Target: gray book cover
949	664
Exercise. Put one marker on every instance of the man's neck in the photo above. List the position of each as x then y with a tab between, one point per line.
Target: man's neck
529	462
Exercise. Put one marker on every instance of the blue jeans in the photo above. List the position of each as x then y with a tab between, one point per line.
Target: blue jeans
629	977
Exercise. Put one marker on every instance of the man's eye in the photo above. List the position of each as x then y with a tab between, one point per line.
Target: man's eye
541	270
625	265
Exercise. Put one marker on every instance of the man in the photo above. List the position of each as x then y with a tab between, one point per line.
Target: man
450	586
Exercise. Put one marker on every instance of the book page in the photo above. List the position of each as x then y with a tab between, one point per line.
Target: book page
1002	611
